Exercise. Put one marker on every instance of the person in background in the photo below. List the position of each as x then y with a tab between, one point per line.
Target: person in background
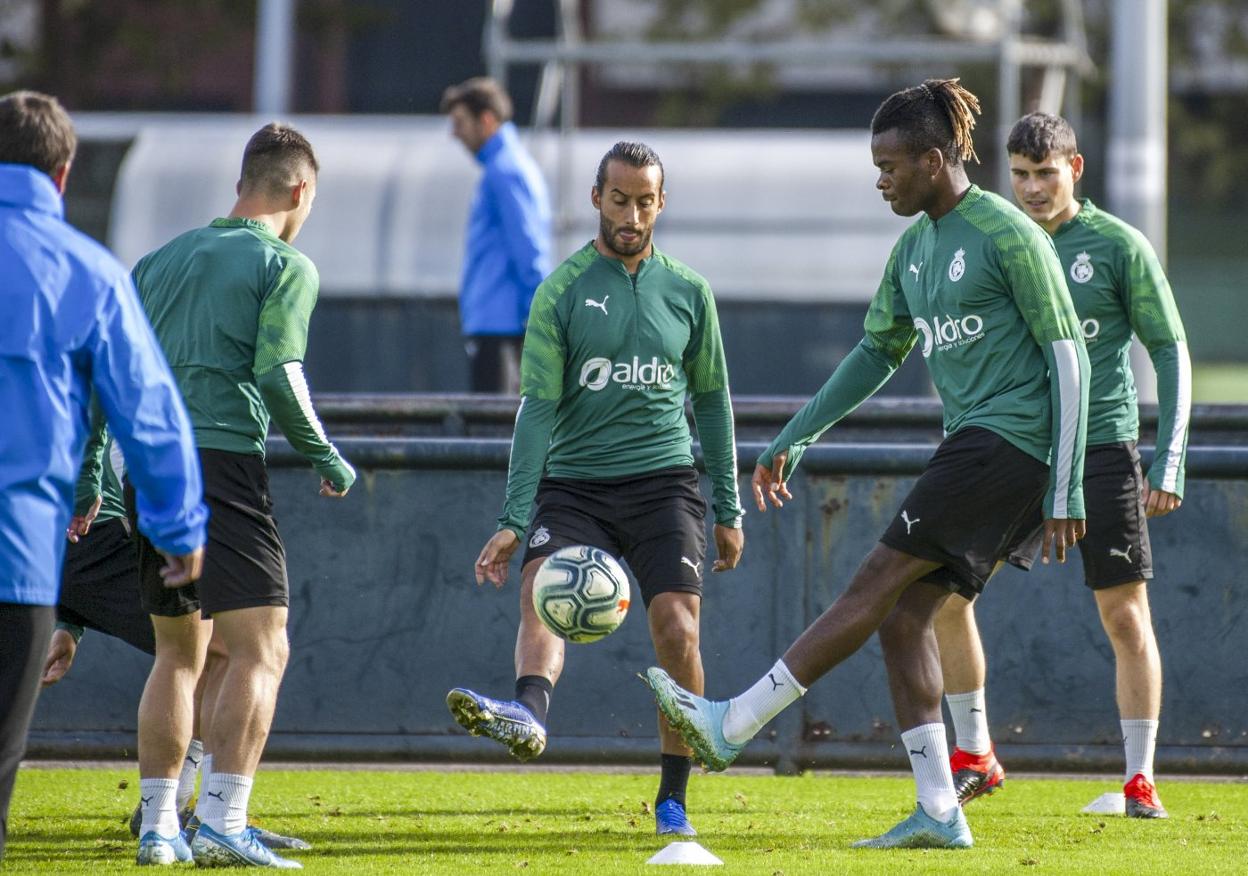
507	246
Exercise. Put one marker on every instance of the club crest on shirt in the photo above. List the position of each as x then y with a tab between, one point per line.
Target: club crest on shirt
957	267
1081	269
540	536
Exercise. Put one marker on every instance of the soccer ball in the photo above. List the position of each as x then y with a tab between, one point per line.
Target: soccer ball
580	593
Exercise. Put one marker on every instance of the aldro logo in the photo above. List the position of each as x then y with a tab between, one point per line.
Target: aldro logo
596	373
947	332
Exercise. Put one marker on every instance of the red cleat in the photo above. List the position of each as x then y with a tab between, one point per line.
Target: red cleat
1141	797
975	775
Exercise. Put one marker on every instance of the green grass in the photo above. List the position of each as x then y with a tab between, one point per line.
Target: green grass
1220	384
71	821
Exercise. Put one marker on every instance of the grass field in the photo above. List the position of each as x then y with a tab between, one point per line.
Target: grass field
71	821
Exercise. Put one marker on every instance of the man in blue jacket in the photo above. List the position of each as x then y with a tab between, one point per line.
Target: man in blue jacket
507	247
72	322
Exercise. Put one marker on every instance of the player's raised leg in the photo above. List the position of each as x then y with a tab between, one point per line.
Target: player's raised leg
518	724
976	770
1129	625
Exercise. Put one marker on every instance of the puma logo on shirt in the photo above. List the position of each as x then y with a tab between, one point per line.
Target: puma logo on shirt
601	305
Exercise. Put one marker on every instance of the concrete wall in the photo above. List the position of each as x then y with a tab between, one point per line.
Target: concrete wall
385	618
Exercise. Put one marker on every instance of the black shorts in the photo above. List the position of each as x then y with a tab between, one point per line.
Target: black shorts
655	522
979	502
244	560
100	585
1116	549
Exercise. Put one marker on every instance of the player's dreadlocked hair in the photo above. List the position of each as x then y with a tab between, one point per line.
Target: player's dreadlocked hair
939	114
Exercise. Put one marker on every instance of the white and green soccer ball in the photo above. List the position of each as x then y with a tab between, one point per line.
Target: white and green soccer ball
581	593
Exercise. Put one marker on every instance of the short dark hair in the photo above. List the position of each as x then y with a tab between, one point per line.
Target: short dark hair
36	130
939	114
1039	135
635	154
275	158
478	94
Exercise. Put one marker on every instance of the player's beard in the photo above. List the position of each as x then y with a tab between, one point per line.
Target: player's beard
608	231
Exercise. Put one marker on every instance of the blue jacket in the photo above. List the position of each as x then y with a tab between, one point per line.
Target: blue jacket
507	251
70	321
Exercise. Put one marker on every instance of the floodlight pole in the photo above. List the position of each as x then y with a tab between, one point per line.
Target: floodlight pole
1135	166
275	41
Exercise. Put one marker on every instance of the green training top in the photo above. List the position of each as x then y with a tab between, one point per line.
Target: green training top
230	305
981	291
1118	287
608	359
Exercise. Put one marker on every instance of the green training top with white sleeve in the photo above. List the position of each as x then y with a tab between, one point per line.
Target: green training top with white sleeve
608	359
981	291
1118	287
230	305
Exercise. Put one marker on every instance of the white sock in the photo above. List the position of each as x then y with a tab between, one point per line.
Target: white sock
1139	737
190	769
160	811
233	792
970	721
769	696
929	758
206	806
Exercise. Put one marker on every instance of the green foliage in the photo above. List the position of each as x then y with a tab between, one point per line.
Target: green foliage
505	821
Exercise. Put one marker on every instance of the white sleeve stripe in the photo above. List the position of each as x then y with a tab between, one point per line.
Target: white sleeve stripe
1066	360
515	427
299	386
1182	416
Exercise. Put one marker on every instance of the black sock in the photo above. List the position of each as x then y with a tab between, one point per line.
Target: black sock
675	778
533	692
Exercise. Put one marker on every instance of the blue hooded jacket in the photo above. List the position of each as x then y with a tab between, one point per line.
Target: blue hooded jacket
70	321
507	250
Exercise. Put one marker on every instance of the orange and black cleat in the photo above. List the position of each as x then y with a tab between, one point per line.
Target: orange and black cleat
1141	798
975	775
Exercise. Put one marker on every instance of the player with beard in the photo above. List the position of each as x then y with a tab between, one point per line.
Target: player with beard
977	285
618	336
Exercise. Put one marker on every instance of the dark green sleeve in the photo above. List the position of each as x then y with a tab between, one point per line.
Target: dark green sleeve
282	333
712	412
286	396
1155	320
535	422
91	474
541	388
890	336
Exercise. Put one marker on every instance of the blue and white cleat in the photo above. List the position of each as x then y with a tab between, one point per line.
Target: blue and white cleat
278	841
504	721
700	721
242	849
921	831
670	819
268	837
160	851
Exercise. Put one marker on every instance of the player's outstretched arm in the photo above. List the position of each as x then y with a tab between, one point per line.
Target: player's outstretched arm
858	377
286	395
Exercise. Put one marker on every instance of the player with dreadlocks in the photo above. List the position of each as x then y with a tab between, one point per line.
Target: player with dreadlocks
978	286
